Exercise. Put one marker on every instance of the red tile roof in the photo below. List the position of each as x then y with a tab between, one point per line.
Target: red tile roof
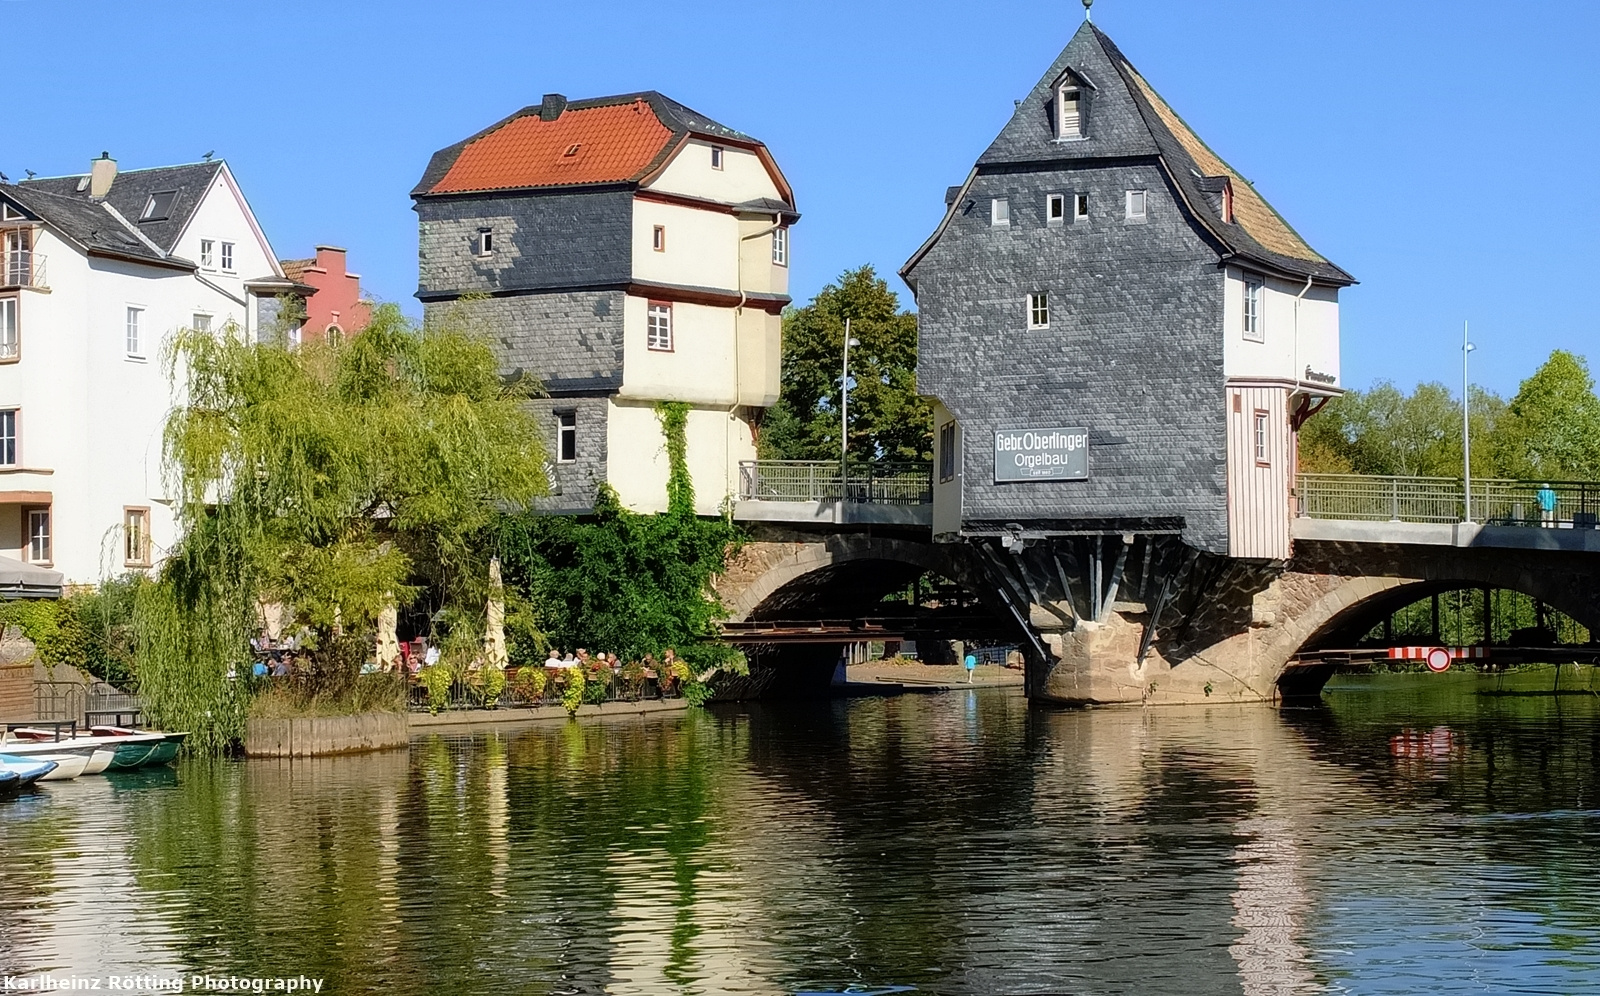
587	145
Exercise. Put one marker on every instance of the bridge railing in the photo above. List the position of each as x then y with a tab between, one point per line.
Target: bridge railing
1443	499
824	480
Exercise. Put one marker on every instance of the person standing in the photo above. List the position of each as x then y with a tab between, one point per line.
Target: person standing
1547	507
972	665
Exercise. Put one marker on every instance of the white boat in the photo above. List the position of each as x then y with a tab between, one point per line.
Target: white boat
68	766
26	770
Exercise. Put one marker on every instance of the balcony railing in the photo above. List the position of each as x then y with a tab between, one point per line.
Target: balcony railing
1443	499
22	268
825	480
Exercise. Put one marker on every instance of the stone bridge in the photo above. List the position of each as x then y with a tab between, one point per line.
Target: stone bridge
1143	618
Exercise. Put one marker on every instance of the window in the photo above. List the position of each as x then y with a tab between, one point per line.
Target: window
658	238
136	537
39	535
659	329
200	323
159	206
294	334
1261	438
947	452
208	249
135	332
8	437
566	436
1055	208
1254	328
1000	211
780	246
333	334
10	337
716	157
1080	207
9	213
1136	203
1039	310
227	256
483	242
1070	124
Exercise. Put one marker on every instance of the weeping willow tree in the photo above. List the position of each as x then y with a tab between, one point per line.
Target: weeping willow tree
328	479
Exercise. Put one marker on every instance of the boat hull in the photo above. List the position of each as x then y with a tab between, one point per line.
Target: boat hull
27	769
68	766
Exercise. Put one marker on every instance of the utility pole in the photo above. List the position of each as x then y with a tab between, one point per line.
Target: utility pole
1466	420
844	415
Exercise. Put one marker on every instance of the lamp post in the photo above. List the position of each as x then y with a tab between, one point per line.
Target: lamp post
1466	421
844	415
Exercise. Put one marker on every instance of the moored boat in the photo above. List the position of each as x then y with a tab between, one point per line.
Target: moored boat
27	769
10	781
110	748
67	766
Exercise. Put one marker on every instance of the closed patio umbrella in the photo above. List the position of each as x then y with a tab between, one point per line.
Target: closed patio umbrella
494	631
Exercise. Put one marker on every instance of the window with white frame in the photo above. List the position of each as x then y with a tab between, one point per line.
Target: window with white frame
200	323
10	331
39	535
659	326
136	537
208	253
227	256
1070	120
134	332
1038	310
1136	203
8	437
999	211
1254	328
483	242
1055	209
1261	437
566	436
1080	207
780	246
716	157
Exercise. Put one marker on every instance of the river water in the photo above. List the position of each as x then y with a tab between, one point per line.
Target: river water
1413	834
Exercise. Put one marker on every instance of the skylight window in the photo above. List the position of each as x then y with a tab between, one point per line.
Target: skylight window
572	149
159	206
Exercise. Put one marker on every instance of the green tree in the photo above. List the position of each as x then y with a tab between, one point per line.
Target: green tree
1384	431
1552	426
330	479
888	421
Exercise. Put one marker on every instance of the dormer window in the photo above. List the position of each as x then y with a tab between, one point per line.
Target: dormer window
159	206
572	149
1071	100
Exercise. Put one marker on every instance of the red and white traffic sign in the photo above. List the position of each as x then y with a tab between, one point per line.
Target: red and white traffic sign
1438	660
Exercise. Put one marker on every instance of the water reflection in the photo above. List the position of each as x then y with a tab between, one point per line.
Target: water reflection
958	843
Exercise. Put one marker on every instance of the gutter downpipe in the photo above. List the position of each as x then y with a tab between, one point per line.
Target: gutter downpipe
738	270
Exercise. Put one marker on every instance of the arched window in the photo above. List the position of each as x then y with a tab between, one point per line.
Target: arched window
335	335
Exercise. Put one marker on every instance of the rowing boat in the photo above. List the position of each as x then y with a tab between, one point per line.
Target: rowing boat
28	770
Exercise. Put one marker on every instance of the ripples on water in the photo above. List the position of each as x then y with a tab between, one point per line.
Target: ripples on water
959	843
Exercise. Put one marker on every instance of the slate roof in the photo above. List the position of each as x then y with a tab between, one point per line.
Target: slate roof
131	190
1126	118
560	143
91	224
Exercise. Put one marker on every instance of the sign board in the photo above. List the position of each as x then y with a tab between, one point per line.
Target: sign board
1041	455
1438	660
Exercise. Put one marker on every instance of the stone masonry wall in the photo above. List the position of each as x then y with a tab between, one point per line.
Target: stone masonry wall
1133	351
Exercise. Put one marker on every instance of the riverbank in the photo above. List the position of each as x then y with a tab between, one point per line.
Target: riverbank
499	717
886	678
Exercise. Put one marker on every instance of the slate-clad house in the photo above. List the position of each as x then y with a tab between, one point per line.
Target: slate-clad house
624	250
96	271
1118	332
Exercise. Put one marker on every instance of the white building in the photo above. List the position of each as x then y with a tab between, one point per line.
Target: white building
98	271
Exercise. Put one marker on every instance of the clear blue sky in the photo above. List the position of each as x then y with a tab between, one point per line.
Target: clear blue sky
1443	151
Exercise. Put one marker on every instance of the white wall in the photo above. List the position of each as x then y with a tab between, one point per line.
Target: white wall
222	217
702	246
700	367
1283	355
743	176
636	455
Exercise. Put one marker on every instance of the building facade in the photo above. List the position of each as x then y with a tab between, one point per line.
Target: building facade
330	295
98	271
624	251
1118	333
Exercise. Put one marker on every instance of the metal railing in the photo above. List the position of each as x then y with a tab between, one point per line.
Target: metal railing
1443	499
23	268
822	480
610	687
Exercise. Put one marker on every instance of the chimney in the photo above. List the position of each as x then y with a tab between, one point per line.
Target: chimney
101	172
552	106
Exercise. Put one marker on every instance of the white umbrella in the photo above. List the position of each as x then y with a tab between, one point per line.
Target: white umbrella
494	632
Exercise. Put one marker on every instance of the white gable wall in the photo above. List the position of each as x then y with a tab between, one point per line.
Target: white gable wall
743	176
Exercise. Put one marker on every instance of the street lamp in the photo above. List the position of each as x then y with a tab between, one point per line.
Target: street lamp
1466	422
844	415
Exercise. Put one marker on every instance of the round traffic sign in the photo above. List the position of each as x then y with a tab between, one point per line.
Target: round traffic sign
1438	660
